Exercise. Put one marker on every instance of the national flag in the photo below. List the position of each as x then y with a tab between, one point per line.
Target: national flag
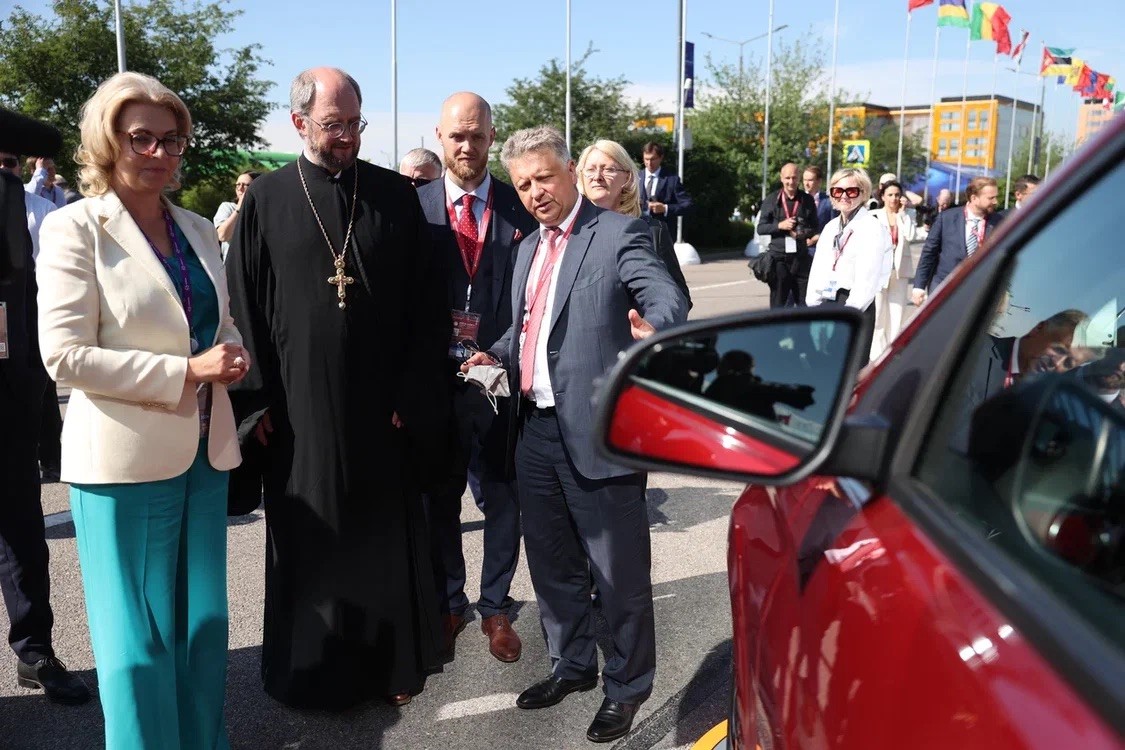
1056	61
1100	90
953	13
1017	53
990	23
916	4
1083	79
1075	72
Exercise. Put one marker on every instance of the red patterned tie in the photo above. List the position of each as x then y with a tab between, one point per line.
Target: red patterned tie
538	296
467	229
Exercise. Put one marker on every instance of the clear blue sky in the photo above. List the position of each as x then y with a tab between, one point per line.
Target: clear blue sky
445	46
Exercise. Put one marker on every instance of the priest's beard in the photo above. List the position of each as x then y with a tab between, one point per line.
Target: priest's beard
330	158
466	172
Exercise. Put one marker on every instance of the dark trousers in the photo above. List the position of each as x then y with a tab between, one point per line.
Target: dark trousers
575	527
842	296
790	279
24	578
50	432
481	434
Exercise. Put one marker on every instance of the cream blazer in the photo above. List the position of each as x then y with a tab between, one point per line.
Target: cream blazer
113	329
905	255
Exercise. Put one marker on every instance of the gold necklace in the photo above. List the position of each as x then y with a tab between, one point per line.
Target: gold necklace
340	281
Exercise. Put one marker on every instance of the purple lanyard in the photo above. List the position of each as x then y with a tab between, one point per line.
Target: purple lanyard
185	276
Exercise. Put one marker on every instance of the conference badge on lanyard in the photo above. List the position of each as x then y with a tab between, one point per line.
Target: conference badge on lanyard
466	324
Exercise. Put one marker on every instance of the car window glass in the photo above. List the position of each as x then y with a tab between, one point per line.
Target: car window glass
1029	444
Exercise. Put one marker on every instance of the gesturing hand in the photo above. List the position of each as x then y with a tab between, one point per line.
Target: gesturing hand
639	327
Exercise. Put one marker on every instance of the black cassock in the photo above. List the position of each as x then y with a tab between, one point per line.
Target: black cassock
350	611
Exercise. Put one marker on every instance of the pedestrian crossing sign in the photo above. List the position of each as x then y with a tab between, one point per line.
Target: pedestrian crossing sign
857	153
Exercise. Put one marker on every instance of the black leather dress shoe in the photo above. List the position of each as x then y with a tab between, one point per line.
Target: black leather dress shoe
552	690
613	720
51	676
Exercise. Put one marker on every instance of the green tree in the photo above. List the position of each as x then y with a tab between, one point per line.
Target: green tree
50	66
599	107
1052	144
731	118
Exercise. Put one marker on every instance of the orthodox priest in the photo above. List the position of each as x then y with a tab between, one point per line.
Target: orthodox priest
330	269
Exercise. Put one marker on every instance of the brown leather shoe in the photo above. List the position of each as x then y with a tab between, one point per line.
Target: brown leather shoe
452	625
399	699
503	642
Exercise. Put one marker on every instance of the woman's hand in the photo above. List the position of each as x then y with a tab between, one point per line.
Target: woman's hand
223	363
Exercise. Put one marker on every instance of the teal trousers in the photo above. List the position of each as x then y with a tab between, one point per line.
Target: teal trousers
154	568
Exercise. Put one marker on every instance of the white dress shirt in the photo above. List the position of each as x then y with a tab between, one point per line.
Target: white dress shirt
970	229
862	268
37	209
649	177
456	194
542	392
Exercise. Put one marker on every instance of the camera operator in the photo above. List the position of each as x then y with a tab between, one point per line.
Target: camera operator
789	219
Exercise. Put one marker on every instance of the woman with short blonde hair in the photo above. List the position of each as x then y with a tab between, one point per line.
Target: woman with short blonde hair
134	318
607	175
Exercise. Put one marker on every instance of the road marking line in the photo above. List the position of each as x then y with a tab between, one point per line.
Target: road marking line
718	286
662	596
57	519
476	706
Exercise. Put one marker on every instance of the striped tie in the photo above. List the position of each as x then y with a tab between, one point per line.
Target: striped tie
973	239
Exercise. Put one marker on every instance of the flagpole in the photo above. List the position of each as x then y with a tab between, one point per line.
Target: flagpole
832	86
766	117
394	85
992	99
1012	136
567	105
963	129
902	105
1037	126
930	130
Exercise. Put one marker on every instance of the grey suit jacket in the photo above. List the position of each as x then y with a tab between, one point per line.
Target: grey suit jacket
608	267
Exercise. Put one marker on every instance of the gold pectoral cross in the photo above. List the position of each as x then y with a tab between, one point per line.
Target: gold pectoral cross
340	280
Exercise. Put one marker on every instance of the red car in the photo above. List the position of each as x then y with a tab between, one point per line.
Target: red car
931	554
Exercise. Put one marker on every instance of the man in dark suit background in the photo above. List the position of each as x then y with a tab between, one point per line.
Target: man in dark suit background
586	285
24	576
662	193
477	223
789	218
955	236
812	179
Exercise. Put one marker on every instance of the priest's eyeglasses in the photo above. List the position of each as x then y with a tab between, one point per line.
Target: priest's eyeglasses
145	143
337	129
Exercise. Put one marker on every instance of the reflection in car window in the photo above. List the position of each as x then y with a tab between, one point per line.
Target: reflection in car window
1030	443
783	377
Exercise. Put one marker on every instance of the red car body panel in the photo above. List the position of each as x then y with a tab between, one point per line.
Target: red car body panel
878	642
648	425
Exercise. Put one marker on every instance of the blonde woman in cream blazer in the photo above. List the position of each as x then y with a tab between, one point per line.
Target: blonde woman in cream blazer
133	317
891	311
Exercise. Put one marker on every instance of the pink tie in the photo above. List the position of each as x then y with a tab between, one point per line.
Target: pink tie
538	296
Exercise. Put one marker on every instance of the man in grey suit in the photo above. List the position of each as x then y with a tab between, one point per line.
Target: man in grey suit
586	284
956	235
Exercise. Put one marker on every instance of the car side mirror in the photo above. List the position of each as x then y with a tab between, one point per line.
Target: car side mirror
754	397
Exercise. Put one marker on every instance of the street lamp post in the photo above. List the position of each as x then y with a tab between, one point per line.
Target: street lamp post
769	70
743	43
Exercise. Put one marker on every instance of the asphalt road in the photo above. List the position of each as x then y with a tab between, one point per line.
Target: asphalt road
471	704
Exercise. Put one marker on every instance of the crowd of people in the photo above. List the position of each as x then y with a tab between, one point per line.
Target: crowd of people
889	251
334	341
319	344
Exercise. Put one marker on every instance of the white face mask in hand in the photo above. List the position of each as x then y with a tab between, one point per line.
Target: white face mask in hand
492	381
